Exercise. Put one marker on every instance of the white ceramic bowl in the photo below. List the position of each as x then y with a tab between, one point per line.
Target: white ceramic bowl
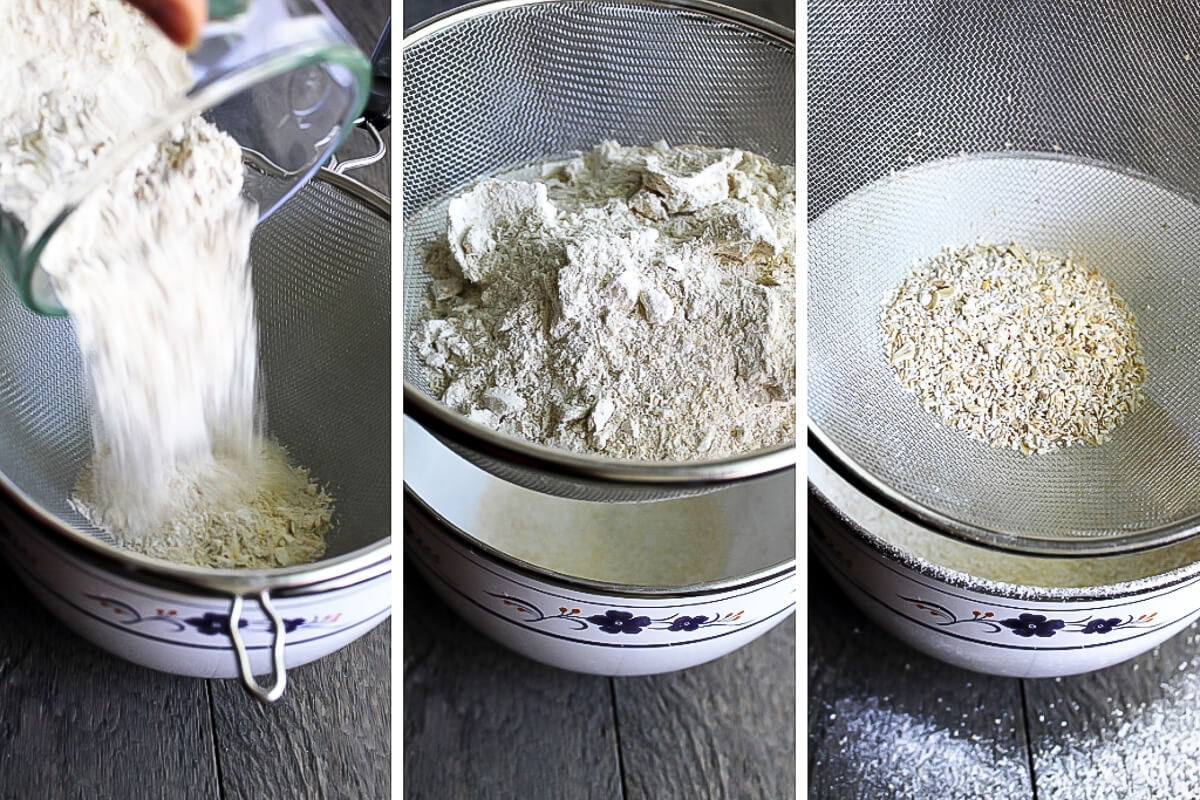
985	610
712	572
177	619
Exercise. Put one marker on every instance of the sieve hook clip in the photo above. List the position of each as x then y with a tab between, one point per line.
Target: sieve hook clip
342	167
378	112
278	671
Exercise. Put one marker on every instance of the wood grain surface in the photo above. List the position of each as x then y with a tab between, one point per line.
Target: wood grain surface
887	721
317	742
722	730
76	722
483	722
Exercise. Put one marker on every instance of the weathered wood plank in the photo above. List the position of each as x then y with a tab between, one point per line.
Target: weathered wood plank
725	729
482	722
1130	731
76	722
330	735
887	721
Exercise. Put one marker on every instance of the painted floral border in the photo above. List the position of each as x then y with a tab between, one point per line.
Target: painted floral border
615	621
1029	624
209	623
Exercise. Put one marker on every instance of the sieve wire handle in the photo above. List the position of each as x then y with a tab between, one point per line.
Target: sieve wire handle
278	671
378	112
342	167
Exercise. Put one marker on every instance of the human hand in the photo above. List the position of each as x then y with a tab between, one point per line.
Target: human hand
180	20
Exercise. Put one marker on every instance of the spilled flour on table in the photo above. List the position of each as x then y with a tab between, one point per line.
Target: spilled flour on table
1090	736
154	271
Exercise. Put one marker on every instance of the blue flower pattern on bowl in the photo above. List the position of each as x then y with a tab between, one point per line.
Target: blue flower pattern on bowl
1101	625
1028	625
1033	625
687	623
210	623
619	621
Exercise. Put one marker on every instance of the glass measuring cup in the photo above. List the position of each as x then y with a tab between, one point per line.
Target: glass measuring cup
282	77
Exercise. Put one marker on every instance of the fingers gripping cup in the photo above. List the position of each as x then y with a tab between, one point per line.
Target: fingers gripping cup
282	77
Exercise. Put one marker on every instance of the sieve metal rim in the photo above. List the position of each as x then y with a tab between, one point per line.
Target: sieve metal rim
302	579
450	425
1020	544
826	513
783	35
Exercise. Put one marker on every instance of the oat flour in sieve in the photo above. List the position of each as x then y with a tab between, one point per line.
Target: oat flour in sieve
636	302
154	270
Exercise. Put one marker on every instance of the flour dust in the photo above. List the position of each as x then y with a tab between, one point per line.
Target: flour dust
154	271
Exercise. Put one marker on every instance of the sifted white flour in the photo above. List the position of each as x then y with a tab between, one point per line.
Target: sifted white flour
637	302
154	270
1044	573
669	543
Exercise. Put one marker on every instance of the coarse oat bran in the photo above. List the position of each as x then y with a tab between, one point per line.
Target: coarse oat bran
1018	348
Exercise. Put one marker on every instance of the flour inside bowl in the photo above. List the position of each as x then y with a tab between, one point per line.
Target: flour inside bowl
666	543
154	271
635	302
1047	574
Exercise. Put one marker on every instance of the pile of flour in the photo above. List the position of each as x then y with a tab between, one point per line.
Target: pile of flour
636	302
154	271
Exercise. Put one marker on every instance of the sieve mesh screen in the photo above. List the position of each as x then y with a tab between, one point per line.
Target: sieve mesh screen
322	282
1068	126
506	86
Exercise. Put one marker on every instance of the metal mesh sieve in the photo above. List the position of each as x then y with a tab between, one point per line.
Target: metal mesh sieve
1071	126
500	85
321	272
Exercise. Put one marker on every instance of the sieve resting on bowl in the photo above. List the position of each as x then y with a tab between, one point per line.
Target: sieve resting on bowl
321	270
1070	127
502	84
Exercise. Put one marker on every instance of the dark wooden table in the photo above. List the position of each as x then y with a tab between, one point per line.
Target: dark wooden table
482	722
76	722
885	721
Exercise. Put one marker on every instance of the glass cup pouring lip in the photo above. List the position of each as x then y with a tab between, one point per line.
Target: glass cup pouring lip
22	258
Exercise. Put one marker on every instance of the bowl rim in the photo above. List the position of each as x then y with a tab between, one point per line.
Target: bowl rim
600	471
295	580
422	510
825	514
